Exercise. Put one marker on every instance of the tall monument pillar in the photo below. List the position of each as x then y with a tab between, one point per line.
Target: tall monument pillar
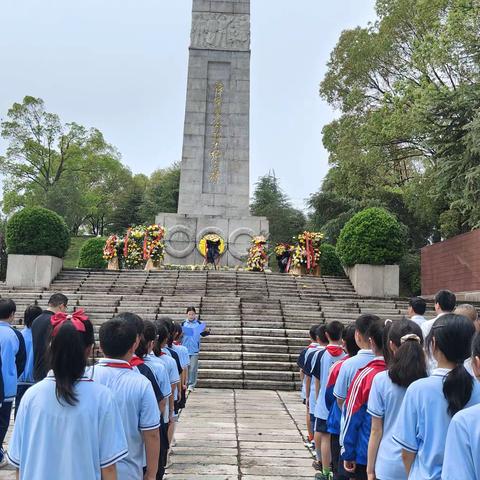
214	182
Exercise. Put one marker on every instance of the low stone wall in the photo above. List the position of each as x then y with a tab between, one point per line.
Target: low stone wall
32	271
375	280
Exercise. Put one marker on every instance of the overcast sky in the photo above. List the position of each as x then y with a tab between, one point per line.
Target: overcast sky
121	66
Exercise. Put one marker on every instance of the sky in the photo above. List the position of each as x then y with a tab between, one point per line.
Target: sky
121	66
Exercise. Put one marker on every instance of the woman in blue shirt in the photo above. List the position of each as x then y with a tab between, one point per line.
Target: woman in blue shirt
430	403
405	357
462	451
64	407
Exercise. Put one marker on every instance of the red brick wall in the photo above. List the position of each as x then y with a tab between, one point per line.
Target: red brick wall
453	264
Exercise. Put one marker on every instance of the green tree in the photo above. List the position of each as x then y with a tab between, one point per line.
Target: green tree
270	201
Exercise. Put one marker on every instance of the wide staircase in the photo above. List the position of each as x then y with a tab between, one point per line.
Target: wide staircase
259	321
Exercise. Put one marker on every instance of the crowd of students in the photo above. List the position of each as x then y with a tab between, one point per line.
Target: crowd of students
78	418
395	400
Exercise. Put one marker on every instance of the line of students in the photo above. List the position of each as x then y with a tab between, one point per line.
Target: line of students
113	420
376	412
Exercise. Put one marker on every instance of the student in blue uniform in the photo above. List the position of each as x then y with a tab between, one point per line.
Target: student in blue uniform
430	403
462	450
310	358
356	420
184	362
406	363
143	352
26	380
135	398
195	329
320	371
334	412
301	363
348	371
13	353
67	426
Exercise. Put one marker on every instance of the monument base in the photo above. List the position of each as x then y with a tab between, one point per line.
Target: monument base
184	232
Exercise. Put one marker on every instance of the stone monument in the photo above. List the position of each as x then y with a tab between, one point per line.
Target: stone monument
214	182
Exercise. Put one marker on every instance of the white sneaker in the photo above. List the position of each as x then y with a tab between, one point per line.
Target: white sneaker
191	389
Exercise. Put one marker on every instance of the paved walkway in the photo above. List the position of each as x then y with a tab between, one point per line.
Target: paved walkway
238	435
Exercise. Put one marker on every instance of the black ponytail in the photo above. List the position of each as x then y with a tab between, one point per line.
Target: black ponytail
149	334
453	337
67	358
375	332
408	363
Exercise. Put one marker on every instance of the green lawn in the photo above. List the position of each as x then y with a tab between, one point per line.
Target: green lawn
71	258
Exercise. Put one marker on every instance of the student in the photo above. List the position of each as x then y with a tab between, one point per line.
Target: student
334	412
159	355
143	351
26	380
301	364
470	312
357	421
430	402
320	371
184	362
135	398
445	302
310	393
191	340
416	310
462	458
406	361
67	426
41	329
13	354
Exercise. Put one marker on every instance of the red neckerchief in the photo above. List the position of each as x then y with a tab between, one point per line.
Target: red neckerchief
335	350
136	361
126	366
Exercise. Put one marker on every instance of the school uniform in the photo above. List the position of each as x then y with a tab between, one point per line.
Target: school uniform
462	450
192	343
320	370
25	380
139	366
334	412
184	363
423	423
138	409
384	402
12	351
418	319
59	441
301	364
310	358
357	423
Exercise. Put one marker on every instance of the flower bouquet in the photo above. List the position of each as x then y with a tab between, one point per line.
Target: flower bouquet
133	248
110	252
306	254
257	255
153	246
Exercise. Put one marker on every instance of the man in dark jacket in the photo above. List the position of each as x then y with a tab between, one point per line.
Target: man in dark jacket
41	331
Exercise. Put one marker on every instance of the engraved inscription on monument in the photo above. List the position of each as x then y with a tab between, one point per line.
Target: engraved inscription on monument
219	31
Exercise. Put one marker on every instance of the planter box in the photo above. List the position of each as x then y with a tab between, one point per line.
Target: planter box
302	270
375	280
32	271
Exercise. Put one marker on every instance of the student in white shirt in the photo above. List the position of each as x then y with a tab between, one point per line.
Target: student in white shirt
135	398
67	426
445	302
430	403
405	357
462	450
416	310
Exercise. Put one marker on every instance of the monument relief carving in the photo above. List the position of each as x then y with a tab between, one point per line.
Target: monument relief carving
218	31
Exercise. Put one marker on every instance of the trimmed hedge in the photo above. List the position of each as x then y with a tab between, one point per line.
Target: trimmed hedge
329	262
91	254
37	231
372	236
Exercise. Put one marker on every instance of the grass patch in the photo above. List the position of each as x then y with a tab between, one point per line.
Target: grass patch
71	258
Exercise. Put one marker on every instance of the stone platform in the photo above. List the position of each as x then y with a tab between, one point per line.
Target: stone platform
237	434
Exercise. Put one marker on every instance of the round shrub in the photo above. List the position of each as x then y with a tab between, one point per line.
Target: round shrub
329	262
91	254
37	231
372	236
